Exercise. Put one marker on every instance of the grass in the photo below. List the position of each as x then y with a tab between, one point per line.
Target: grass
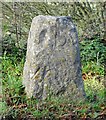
16	106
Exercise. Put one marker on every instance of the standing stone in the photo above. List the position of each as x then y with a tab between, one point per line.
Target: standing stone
53	60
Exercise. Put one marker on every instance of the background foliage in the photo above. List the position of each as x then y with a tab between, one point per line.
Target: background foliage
88	17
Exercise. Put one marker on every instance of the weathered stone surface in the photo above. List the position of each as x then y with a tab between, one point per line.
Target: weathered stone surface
53	59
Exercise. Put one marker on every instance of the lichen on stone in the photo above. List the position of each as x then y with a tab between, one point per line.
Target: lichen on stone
52	59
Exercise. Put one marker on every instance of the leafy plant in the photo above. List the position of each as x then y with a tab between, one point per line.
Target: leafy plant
92	55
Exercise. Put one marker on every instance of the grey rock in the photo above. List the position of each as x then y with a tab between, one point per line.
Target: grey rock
53	58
